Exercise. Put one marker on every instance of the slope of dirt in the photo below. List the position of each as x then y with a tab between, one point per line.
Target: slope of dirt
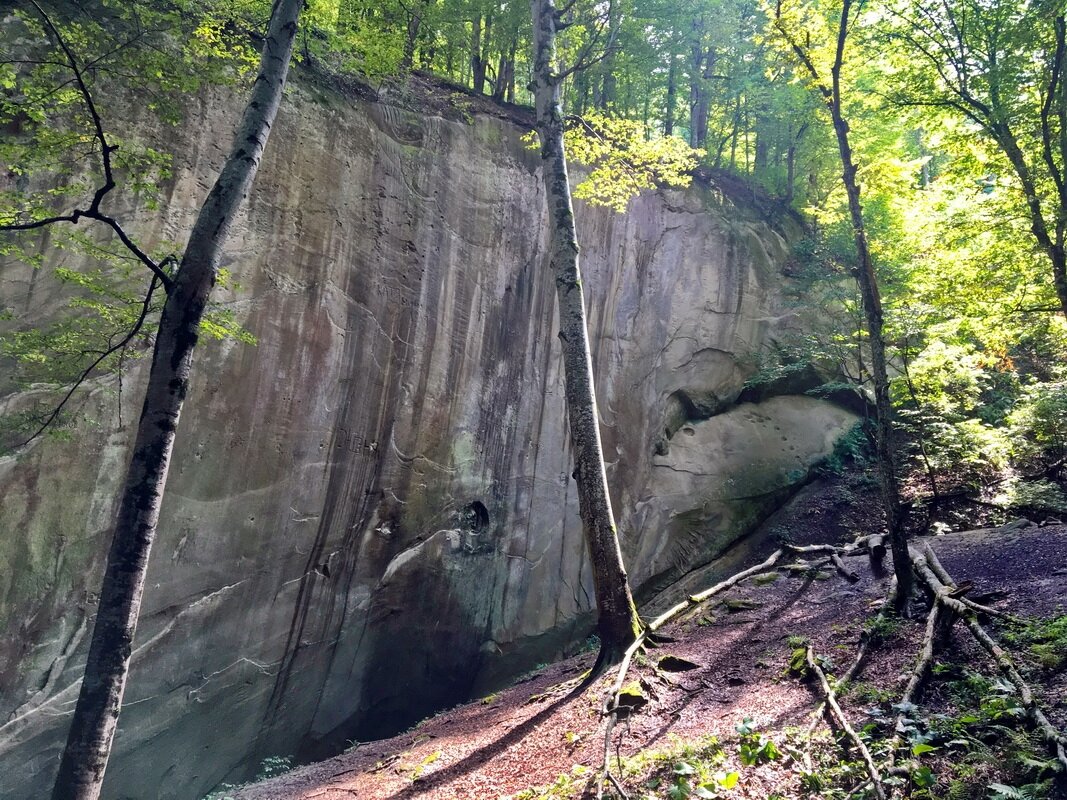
535	731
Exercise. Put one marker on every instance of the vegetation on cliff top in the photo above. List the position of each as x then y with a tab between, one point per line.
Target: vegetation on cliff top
925	142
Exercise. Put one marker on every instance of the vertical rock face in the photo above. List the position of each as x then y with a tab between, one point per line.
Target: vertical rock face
370	514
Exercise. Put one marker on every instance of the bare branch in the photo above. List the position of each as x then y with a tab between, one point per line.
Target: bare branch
146	307
106	149
1055	78
585	60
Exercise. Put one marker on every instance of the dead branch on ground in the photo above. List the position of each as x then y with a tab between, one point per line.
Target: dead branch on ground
611	705
933	574
830	697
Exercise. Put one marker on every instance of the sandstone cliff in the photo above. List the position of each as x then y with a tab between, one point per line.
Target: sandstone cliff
370	514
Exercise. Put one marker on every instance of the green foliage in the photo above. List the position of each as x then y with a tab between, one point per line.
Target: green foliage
1044	640
120	51
754	747
1038	422
565	787
1030	791
881	627
270	767
851	450
623	160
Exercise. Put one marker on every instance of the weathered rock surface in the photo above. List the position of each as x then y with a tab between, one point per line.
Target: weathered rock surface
370	514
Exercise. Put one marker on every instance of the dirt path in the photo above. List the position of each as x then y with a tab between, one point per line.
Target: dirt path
531	733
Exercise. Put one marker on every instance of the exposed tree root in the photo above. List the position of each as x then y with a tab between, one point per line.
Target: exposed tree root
933	574
611	705
937	625
948	605
842	720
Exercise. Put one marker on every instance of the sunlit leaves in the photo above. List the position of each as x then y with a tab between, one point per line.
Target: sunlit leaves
624	161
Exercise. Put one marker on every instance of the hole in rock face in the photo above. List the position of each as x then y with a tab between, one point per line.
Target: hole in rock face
475	516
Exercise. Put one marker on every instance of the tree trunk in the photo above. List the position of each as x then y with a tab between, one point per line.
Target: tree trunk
618	624
699	99
505	74
672	97
81	769
790	171
511	67
477	64
414	23
872	309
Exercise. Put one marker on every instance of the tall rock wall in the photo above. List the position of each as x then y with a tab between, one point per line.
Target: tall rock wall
370	513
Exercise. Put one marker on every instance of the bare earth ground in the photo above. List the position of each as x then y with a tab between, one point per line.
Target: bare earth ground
533	732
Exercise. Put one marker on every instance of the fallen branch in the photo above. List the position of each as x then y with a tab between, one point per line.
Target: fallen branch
936	624
942	574
924	563
700	597
861	658
611	705
831	701
845	572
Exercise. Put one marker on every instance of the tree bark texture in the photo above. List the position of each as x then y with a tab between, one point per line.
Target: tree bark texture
618	623
84	760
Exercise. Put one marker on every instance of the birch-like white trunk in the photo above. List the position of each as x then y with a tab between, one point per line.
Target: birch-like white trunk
618	623
81	769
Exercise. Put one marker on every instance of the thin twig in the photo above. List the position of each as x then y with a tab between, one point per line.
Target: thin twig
146	307
106	150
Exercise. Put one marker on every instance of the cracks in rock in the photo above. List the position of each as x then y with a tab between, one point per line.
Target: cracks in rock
409	460
682	470
699	351
262	669
674	337
62	702
685	406
54	671
207	598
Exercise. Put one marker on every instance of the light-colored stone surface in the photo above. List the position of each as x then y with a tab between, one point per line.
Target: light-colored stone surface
370	514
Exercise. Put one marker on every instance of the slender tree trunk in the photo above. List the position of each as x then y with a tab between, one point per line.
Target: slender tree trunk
872	309
618	623
734	132
81	769
790	171
505	74
930	475
477	65
698	88
609	89
511	67
414	24
672	97
872	302
1055	250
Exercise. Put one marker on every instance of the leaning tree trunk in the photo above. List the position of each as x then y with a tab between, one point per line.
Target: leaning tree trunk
618	623
81	769
872	309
